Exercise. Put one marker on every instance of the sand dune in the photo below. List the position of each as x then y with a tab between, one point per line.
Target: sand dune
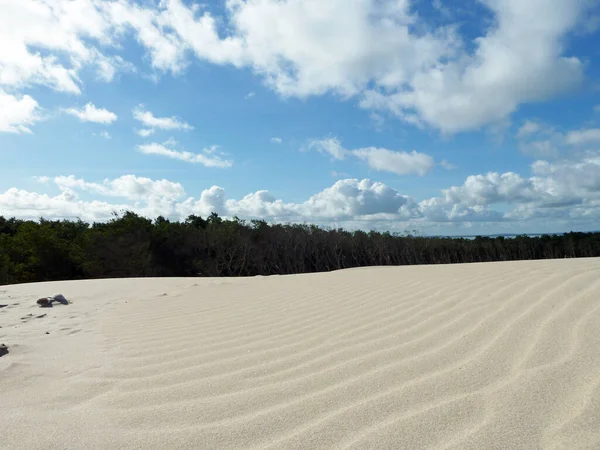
479	356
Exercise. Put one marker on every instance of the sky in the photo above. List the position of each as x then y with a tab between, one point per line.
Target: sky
447	117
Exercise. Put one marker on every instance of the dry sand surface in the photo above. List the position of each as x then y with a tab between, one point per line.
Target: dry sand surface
477	356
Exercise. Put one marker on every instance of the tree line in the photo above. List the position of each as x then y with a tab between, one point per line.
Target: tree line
129	245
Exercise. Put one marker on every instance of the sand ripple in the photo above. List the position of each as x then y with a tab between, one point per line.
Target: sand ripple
494	355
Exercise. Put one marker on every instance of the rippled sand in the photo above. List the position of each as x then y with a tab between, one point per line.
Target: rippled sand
477	356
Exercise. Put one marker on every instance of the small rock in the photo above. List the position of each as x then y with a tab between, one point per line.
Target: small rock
44	302
3	350
47	332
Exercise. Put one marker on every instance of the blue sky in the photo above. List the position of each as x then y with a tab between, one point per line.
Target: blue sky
443	116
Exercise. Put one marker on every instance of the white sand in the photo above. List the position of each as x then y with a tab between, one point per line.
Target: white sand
479	356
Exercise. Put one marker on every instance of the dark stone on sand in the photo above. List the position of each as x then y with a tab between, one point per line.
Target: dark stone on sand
3	306
3	350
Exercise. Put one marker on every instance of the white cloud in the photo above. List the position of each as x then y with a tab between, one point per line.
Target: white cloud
381	52
49	42
423	77
332	46
566	191
201	35
539	140
276	140
400	163
380	159
152	123
518	60
346	200
583	137
249	95
145	132
355	199
377	120
167	51
206	158
90	113
127	186
105	135
448	165
331	146
489	189
17	114
171	142
541	148
528	128
20	203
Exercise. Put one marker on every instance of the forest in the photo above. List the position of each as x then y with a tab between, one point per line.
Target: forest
129	245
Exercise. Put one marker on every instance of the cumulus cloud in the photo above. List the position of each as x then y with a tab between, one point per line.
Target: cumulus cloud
17	114
380	159
207	158
32	205
382	53
566	191
276	140
127	186
349	199
49	42
421	76
90	113
151	123
519	59
489	189
355	199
